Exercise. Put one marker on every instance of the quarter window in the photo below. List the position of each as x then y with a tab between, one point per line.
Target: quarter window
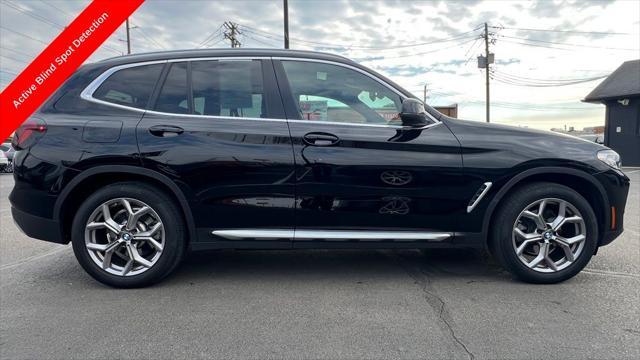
325	92
131	86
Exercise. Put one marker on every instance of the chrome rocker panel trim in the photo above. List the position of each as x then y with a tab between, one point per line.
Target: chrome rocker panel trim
365	235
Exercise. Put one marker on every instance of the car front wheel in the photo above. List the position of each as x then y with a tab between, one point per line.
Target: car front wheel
128	235
544	233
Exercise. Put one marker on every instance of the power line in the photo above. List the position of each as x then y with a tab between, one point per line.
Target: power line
469	51
567	44
56	8
211	36
523	78
419	53
209	43
215	42
42	42
18	52
260	41
527	106
358	47
136	27
23	35
35	16
8	72
516	82
565	31
535	45
13	59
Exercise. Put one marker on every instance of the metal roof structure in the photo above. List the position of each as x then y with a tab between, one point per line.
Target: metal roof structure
622	83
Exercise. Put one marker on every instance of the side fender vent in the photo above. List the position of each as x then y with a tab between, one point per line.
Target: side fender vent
475	199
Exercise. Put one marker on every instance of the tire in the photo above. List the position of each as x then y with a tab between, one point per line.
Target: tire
572	244
154	258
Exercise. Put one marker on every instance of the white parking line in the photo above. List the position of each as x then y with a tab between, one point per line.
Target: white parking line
30	259
610	273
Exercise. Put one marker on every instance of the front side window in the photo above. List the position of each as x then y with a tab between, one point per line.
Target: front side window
130	87
326	92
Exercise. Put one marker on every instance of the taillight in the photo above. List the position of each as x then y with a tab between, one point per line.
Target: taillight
28	133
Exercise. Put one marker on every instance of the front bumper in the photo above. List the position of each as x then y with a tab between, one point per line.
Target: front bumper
37	227
616	185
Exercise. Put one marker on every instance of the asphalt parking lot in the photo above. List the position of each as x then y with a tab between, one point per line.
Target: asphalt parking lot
319	304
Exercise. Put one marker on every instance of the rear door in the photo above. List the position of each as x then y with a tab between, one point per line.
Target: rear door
361	175
217	129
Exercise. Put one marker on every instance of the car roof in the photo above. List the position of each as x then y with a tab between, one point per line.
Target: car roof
230	52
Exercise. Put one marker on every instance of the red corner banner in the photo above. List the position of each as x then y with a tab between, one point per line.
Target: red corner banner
60	59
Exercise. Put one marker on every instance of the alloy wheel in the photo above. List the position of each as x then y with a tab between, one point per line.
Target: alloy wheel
124	236
549	235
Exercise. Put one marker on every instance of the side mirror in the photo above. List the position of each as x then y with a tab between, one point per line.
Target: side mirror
413	113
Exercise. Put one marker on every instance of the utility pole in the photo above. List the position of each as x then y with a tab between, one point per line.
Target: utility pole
232	33
286	23
128	38
424	97
487	62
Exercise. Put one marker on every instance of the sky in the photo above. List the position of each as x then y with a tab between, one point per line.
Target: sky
546	52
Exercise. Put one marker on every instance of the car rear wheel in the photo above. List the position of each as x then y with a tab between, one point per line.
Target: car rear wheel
544	233
128	235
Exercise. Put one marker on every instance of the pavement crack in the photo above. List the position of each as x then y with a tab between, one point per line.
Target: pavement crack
434	300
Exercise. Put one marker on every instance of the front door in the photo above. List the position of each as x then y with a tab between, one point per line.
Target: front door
217	129
361	175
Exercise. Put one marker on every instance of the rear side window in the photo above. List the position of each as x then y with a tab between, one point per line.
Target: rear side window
228	88
218	88
174	96
130	87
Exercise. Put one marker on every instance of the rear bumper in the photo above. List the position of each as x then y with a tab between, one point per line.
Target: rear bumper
37	227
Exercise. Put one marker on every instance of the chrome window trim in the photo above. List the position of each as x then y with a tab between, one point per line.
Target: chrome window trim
371	76
482	194
378	80
87	93
368	235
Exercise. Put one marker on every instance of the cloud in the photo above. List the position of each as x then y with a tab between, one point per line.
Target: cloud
507	61
372	31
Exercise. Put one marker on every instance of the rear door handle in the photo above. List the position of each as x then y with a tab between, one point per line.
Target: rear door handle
165	130
320	139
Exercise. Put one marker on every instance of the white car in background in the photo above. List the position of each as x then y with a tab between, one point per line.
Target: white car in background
4	163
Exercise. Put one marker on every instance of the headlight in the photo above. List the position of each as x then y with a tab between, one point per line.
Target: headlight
610	158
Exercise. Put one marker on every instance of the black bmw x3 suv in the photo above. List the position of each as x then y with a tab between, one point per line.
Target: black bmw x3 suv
138	159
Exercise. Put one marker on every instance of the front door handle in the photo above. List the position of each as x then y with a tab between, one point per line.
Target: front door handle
165	130
320	139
